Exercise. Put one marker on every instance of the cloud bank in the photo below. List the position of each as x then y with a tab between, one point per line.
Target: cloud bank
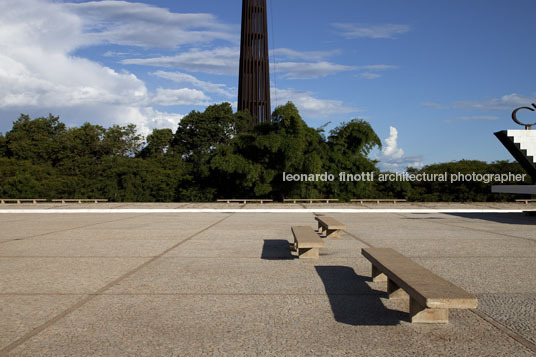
392	157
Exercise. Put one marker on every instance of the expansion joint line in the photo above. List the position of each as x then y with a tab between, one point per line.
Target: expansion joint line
4	351
71	229
512	334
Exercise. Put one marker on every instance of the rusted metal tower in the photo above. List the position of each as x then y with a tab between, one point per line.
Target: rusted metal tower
254	76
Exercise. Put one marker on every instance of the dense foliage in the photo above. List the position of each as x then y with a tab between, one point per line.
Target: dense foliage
212	154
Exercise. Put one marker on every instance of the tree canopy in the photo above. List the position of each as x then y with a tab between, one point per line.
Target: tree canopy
213	154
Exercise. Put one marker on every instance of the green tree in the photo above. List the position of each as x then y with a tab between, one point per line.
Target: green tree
198	137
85	141
158	143
3	146
38	140
254	161
199	134
462	190
348	148
122	141
23	179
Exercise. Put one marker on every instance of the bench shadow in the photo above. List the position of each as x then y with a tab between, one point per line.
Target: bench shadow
276	249
352	300
508	218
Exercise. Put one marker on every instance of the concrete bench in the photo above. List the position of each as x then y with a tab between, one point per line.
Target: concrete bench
306	242
329	226
245	200
310	200
80	200
21	200
430	295
526	200
377	200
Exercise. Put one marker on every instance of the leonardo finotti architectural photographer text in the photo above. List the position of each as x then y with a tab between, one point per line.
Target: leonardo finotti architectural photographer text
383	177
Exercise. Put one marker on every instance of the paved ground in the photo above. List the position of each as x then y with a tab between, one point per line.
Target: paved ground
222	283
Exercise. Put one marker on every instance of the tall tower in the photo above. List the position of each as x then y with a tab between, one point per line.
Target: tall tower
254	76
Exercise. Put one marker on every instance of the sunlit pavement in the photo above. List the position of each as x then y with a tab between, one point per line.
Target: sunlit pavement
226	283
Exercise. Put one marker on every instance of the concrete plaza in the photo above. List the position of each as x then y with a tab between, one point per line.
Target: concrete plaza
118	284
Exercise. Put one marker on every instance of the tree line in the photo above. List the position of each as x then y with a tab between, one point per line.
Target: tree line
213	154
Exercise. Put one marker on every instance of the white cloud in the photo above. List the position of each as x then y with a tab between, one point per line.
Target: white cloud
308	70
137	24
304	55
310	106
209	87
223	60
377	67
369	75
392	157
183	96
116	54
352	31
508	101
157	119
432	105
371	71
390	148
38	73
401	165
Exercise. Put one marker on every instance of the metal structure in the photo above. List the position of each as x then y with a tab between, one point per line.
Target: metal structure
521	143
254	75
514	116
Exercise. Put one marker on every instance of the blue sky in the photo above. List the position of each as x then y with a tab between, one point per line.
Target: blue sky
434	78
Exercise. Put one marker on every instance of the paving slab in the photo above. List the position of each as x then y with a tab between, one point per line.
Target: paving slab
460	247
61	275
521	319
245	276
481	275
259	325
22	313
85	248
269	244
102	234
230	286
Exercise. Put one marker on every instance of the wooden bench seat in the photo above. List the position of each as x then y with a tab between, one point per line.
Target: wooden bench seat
310	200
526	200
430	295
21	200
245	200
306	242
377	200
80	200
330	226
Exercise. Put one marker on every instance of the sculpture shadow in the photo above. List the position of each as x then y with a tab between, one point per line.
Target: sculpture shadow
508	218
353	302
276	249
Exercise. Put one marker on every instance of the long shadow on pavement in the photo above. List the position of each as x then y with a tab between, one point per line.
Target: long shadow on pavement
508	218
353	302
276	249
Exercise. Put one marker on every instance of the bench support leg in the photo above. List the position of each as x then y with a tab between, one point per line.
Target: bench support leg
309	253
377	275
330	233
394	291
422	315
320	228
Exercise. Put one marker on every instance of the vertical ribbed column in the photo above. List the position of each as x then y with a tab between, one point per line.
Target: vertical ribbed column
254	75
